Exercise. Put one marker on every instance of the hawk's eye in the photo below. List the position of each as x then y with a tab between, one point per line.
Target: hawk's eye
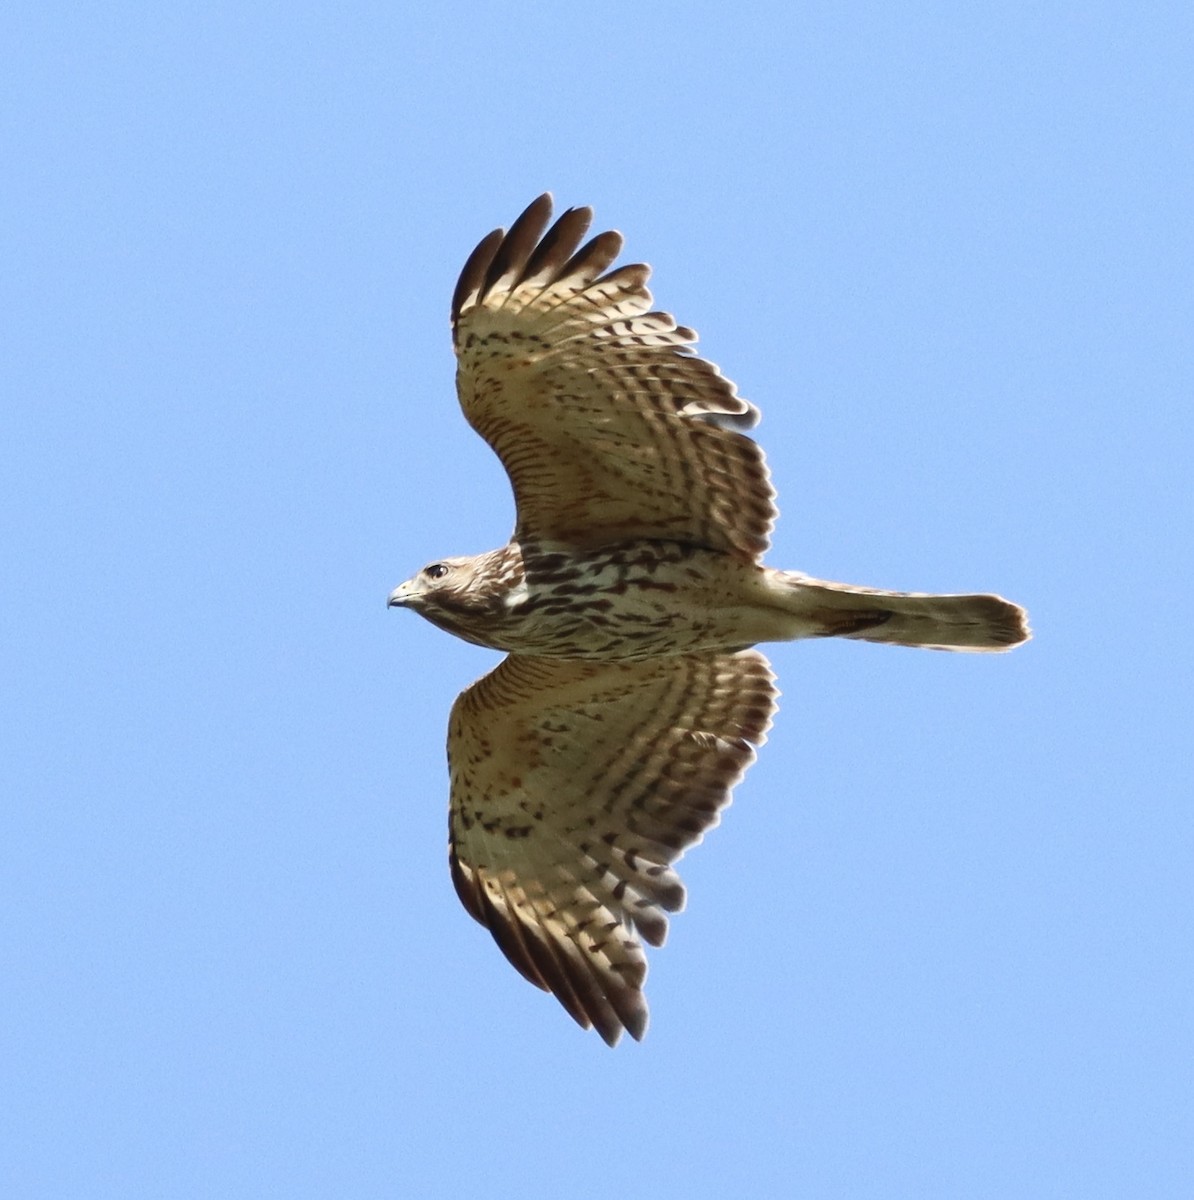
435	571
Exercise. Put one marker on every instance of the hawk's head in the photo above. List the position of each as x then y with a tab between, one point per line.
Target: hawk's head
461	595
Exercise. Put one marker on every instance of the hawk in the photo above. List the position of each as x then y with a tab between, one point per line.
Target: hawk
628	599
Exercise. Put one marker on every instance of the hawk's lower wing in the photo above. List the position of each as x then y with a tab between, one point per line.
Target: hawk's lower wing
575	786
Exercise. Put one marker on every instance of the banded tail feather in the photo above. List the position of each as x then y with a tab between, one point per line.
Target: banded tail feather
975	623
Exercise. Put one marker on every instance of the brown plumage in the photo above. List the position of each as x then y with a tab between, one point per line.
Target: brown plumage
628	597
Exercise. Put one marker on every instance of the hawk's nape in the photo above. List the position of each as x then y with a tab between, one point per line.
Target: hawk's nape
575	787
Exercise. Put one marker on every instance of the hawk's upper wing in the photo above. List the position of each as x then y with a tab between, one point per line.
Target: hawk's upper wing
575	785
607	423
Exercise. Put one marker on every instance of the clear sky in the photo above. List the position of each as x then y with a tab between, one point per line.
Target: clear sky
940	945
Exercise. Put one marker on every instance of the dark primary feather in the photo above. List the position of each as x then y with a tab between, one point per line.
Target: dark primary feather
558	245
507	260
506	269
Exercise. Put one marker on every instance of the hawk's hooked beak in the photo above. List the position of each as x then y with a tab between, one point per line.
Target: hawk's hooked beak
401	595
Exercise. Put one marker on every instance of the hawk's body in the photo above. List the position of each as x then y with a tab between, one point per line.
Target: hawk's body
606	743
650	598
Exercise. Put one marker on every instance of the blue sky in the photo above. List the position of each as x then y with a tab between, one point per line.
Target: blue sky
940	945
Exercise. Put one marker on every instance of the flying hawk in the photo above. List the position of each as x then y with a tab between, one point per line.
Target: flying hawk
628	599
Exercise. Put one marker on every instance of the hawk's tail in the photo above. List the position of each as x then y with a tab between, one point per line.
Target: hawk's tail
975	623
